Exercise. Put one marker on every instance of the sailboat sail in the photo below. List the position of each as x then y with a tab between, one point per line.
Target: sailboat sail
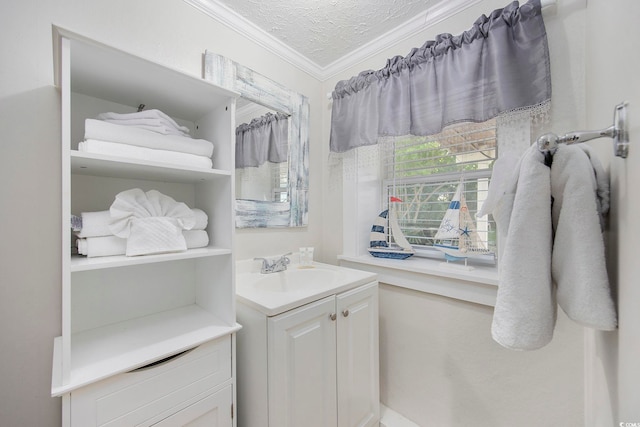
378	245
457	236
397	233
450	225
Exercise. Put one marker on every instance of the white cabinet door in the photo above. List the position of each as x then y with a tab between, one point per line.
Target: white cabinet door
302	366
212	411
357	357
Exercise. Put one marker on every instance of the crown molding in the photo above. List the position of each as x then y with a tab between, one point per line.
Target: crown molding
422	21
238	23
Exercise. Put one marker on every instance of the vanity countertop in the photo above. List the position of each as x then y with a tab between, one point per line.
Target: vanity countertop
275	293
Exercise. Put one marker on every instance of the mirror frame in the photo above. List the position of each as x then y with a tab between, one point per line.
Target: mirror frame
264	91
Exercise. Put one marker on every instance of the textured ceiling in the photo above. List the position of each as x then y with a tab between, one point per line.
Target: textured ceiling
326	30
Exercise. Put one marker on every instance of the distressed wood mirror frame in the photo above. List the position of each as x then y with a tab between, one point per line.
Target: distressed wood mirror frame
264	91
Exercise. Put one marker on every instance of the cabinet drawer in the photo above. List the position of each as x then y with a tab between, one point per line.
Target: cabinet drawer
163	388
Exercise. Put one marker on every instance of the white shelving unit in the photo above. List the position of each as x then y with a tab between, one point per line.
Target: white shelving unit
121	313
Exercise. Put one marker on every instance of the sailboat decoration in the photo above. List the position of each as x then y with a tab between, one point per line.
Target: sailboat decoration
457	236
378	246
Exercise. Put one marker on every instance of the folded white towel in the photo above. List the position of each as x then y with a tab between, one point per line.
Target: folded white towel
155	115
101	246
150	125
578	261
112	245
103	131
152	222
525	311
142	153
95	224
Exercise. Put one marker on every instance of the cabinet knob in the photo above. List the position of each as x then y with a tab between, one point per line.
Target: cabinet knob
332	316
345	312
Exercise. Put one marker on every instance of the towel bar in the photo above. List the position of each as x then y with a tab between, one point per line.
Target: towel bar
618	131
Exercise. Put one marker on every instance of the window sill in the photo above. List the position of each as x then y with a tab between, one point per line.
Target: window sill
479	285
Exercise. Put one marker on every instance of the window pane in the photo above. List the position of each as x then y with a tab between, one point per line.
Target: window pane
425	171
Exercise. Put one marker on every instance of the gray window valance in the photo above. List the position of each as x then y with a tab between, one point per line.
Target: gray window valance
498	66
264	139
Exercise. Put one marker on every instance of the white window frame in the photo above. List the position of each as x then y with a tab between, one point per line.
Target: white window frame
469	139
362	200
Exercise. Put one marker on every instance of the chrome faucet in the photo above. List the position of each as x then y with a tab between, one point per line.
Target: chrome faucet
274	266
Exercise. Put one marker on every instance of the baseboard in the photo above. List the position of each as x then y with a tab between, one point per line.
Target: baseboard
390	418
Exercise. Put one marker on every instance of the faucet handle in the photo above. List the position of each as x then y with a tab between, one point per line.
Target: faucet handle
285	260
265	263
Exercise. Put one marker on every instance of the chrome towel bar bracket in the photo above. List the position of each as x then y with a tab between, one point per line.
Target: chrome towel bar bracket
619	131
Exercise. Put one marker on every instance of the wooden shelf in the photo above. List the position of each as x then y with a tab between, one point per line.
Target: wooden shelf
111	166
109	350
81	263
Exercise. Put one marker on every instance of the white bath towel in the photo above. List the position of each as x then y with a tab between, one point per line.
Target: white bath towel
151	221
95	224
150	125
154	115
142	153
101	246
103	131
578	260
525	311
112	245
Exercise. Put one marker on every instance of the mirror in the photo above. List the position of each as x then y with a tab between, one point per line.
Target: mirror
257	205
268	182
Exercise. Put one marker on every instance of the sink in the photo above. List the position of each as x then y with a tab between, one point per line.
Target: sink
298	280
274	293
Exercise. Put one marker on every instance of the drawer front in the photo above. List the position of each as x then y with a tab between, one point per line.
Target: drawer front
132	397
211	411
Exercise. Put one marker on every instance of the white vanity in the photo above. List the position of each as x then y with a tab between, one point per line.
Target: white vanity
308	350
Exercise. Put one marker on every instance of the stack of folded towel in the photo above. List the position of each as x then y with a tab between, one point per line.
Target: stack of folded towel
140	223
145	135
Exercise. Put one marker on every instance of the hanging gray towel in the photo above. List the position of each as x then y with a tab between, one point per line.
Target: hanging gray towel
525	311
578	261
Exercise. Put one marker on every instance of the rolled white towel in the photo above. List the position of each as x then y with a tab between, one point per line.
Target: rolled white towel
103	131
201	219
101	246
112	245
95	224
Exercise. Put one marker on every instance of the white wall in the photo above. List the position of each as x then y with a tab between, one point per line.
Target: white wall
439	365
167	31
613	67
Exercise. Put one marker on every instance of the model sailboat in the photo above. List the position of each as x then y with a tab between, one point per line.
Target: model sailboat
378	246
457	236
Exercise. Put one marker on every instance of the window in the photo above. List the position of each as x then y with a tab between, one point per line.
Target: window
280	181
424	172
